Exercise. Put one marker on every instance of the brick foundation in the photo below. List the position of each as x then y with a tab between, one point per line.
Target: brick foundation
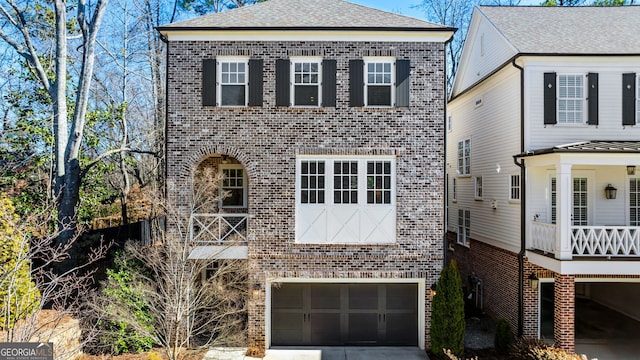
564	312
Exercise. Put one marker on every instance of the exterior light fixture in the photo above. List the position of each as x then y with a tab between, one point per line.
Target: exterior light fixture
256	289
610	192
433	289
534	281
631	170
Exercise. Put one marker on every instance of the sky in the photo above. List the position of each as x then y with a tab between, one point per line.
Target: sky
406	7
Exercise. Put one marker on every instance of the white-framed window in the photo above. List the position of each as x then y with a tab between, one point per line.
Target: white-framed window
233	75
571	99
634	201
454	189
478	188
379	81
306	84
464	226
233	190
514	187
464	157
345	199
580	201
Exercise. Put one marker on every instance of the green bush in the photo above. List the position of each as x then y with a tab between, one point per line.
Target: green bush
126	303
504	337
447	314
19	296
534	349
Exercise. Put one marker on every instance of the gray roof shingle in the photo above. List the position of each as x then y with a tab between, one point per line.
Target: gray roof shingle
299	14
568	30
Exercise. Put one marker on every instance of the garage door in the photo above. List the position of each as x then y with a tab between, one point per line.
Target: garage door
344	314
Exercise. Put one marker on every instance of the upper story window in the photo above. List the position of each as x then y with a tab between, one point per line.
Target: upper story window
638	100
306	75
232	82
233	190
379	81
464	157
345	199
634	201
514	187
571	99
233	90
379	86
478	188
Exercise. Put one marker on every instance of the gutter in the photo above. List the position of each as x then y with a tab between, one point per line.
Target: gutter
523	202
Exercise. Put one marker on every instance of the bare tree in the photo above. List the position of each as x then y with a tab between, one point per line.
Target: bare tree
18	31
190	302
34	309
454	13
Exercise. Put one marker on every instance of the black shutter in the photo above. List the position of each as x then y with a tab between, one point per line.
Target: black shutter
283	82
593	99
356	83
550	98
629	99
403	69
255	82
209	82
329	68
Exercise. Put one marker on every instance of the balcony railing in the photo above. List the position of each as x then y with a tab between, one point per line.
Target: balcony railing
592	241
218	229
605	240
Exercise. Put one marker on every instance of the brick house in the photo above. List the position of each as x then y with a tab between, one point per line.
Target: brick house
326	119
542	150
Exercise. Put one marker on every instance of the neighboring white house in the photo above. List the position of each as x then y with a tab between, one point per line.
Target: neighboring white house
543	163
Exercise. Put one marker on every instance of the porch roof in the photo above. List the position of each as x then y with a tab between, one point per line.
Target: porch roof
593	146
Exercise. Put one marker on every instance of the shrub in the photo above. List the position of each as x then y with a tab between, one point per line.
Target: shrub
447	313
504	337
126	300
535	349
19	296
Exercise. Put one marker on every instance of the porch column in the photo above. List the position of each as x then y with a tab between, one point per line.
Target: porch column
564	193
564	291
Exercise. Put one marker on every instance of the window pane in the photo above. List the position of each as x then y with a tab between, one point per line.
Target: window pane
233	95
379	95
306	95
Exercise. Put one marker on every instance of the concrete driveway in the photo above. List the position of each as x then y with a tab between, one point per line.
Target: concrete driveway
324	353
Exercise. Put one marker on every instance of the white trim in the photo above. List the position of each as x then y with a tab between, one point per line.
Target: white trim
578	267
478	187
419	281
511	187
310	35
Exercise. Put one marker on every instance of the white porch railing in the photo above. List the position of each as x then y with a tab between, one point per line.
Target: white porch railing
605	240
543	236
218	229
594	241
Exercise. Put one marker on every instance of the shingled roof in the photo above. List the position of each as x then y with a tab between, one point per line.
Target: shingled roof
594	146
568	30
305	14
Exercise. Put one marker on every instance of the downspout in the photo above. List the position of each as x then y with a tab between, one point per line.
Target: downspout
523	202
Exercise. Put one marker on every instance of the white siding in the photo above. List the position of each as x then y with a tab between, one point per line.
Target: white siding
487	49
494	130
610	126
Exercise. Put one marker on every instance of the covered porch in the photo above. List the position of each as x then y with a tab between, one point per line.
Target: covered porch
219	220
583	201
